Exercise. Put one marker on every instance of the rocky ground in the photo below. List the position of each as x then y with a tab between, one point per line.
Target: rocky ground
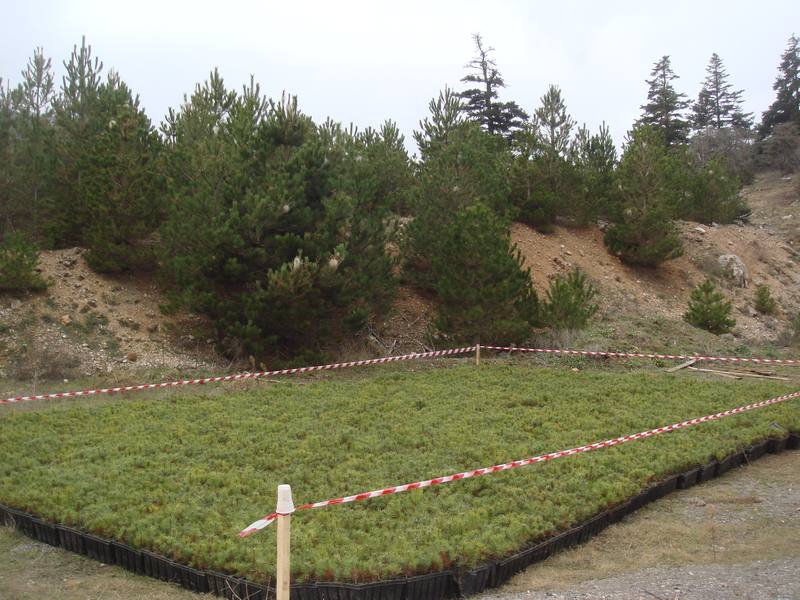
88	324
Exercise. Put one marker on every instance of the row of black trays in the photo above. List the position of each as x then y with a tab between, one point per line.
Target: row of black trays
432	586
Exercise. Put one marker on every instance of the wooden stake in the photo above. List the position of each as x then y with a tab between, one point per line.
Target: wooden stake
285	508
477	354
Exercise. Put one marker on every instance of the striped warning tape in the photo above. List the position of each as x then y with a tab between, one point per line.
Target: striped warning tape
601	353
386	359
239	376
265	521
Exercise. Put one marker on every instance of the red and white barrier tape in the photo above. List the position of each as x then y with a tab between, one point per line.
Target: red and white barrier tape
265	521
734	359
387	359
166	384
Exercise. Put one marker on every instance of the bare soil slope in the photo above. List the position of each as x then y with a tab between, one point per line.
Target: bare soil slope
765	246
87	324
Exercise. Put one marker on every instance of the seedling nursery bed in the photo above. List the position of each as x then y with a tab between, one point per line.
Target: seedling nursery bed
161	485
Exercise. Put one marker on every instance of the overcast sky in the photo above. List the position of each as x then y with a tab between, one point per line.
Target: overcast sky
364	62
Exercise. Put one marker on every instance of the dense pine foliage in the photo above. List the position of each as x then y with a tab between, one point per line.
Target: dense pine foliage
290	234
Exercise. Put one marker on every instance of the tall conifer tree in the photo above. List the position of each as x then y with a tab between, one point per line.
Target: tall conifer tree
33	152
786	107
481	103
718	105
665	107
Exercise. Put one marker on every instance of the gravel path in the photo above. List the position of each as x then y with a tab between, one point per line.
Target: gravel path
777	579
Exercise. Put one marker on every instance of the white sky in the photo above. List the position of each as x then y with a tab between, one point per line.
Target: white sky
365	61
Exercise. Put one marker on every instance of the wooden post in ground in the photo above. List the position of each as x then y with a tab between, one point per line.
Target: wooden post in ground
478	354
285	508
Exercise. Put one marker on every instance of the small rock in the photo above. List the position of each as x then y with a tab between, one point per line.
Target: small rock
700	229
152	328
132	357
15	304
66	320
129	323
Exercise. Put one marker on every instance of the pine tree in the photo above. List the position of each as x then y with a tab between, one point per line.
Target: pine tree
277	228
553	124
482	104
33	156
437	130
6	154
709	310
595	159
764	302
543	175
124	200
570	301
665	106
462	165
786	107
484	290
76	126
718	105
643	233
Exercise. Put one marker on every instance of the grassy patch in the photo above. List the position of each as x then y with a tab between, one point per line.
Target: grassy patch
182	474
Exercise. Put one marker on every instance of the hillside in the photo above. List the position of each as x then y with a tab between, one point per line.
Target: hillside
769	247
94	325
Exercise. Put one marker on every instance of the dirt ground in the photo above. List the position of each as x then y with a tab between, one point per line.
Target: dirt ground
734	537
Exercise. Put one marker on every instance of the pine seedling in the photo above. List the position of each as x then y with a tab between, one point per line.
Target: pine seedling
765	303
709	310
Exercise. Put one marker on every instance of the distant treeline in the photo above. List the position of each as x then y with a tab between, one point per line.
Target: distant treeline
288	232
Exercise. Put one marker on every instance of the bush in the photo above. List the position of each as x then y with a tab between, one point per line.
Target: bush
709	310
485	292
569	303
18	258
765	303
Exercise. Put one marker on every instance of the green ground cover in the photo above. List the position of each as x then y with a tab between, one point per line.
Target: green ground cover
181	474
